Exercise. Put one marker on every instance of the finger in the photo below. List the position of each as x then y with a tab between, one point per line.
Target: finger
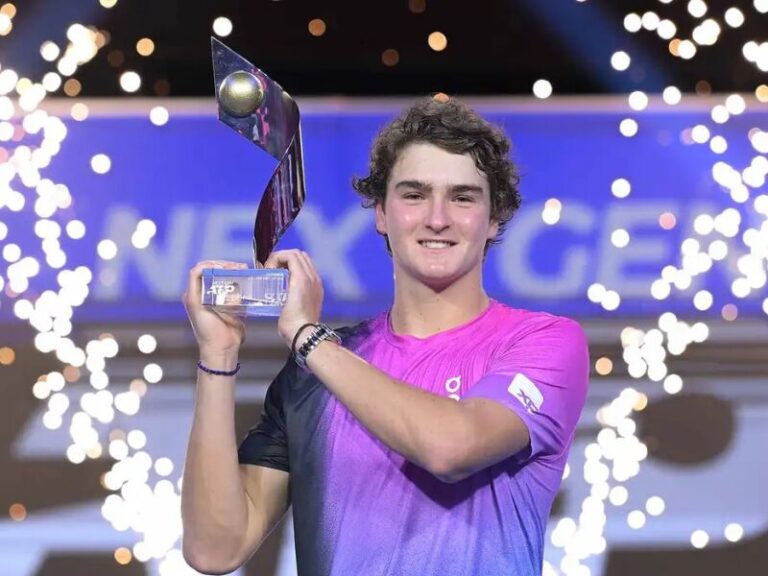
292	260
194	291
310	267
193	295
233	318
276	259
284	259
313	268
307	269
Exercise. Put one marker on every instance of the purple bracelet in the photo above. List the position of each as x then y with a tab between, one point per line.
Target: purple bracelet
205	368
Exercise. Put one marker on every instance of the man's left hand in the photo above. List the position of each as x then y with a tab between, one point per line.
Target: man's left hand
305	292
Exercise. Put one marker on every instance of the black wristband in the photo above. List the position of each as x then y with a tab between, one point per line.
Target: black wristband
318	335
207	370
296	337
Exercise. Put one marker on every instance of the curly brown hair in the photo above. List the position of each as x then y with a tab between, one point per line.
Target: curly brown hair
456	128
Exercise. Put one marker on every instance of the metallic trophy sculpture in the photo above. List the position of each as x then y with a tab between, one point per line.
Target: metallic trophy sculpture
257	107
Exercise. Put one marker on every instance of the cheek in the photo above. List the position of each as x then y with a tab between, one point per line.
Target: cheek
403	221
475	226
409	219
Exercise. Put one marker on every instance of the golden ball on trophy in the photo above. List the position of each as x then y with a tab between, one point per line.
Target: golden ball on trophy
240	94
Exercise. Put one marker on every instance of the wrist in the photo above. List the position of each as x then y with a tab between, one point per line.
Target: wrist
219	359
298	335
215	372
305	344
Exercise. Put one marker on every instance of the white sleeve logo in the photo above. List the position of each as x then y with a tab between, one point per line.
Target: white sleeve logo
526	391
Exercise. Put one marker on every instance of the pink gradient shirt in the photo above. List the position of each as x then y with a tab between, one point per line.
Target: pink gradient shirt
361	508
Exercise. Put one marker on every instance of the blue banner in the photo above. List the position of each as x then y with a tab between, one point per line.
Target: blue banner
200	184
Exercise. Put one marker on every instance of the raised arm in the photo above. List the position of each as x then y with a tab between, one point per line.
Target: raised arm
228	509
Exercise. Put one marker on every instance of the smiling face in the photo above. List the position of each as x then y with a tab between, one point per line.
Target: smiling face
436	216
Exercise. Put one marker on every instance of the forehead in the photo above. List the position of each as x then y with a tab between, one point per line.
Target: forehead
431	164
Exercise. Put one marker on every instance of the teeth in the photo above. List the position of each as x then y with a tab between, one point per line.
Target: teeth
431	244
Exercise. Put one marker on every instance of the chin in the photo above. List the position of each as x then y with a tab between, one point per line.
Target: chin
439	281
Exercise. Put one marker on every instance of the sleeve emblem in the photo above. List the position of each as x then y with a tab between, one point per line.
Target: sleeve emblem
526	392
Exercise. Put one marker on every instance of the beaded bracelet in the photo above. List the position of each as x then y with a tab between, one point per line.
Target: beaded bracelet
207	370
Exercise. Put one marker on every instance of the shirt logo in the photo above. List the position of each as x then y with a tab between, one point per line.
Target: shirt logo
452	386
526	391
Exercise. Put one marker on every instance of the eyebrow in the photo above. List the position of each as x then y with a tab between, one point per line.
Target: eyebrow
426	187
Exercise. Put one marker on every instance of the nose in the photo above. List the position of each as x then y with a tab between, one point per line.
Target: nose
437	217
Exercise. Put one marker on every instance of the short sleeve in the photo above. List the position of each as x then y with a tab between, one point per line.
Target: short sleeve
266	444
542	374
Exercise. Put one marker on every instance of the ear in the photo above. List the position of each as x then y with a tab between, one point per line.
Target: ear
493	230
381	222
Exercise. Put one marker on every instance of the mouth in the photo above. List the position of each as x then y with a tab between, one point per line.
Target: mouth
437	244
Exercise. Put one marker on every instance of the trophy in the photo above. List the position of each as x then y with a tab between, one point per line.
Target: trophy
257	107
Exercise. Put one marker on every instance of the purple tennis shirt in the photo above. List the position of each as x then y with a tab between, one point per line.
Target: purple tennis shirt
360	508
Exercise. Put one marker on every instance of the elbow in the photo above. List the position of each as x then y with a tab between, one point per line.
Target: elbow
448	465
206	562
451	477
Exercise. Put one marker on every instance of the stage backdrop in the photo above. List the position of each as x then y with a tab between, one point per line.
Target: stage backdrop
200	184
194	186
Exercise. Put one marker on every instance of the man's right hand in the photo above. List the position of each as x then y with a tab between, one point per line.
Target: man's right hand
228	508
218	335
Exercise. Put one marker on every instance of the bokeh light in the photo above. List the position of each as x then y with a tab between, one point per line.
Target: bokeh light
317	27
437	41
222	26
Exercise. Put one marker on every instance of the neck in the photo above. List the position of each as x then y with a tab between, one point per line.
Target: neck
422	311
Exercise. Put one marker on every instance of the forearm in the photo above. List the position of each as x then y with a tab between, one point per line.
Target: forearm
213	500
407	419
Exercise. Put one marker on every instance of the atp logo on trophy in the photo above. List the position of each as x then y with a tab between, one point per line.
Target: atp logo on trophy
258	108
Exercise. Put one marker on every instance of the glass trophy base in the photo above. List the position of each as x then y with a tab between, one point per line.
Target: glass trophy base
251	292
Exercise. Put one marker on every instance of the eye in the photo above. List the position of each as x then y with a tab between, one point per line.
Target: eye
412	195
465	199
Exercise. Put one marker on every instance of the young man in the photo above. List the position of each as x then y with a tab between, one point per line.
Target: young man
429	440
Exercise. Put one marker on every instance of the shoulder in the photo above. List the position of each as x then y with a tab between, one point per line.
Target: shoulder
550	350
533	320
518	327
